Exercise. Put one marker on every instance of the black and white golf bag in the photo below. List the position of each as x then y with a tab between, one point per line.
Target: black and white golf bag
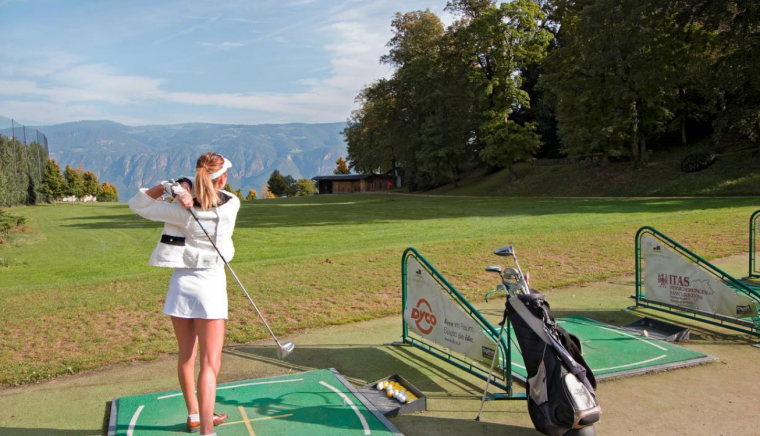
561	398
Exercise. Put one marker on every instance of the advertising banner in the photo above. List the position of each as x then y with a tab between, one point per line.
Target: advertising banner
671	279
434	316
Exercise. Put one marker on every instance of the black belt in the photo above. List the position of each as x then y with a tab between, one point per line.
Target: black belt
173	240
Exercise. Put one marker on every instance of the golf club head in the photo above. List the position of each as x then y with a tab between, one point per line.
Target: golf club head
493	268
284	350
506	250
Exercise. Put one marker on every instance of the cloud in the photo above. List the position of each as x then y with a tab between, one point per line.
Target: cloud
226	45
187	30
54	113
353	35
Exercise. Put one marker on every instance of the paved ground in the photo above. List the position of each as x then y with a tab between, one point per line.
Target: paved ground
713	399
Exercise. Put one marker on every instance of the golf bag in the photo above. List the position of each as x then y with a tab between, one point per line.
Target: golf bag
561	399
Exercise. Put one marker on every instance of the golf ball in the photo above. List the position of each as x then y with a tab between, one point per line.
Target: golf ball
389	393
379	386
402	398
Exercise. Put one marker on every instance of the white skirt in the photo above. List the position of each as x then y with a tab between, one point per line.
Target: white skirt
197	293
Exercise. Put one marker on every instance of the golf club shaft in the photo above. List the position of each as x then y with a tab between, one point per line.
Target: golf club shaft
523	282
490	372
235	276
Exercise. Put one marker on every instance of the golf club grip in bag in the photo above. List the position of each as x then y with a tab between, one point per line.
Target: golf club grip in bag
560	385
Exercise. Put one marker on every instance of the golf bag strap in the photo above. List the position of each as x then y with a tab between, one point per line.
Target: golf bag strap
534	323
539	329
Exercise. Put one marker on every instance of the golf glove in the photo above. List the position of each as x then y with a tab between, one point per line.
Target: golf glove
172	188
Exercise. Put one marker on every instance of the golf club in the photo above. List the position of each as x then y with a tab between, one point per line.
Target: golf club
283	350
509	250
493	361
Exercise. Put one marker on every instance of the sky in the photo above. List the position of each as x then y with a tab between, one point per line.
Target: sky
141	62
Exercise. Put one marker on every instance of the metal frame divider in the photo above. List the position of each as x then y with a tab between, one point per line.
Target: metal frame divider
501	378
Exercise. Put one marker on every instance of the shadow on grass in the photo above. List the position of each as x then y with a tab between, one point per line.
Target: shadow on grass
362	364
419	425
387	209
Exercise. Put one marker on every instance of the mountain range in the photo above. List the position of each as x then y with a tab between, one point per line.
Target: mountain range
134	157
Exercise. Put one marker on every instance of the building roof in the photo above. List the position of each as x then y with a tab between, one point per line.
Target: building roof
337	177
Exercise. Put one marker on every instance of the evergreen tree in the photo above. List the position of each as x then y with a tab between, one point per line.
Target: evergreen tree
277	185
290	186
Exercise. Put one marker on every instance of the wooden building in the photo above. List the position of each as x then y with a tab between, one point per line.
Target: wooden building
353	183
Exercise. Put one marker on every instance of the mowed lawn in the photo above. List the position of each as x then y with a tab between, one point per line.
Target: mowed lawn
79	295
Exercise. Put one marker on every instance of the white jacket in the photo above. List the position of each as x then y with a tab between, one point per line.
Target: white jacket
183	244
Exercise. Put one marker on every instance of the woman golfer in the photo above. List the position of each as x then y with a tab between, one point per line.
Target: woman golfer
197	297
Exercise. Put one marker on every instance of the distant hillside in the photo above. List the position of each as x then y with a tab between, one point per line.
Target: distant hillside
134	157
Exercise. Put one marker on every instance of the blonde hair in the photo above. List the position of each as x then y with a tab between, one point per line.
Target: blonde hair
205	191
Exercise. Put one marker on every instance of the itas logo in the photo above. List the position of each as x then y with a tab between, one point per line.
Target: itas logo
662	279
423	317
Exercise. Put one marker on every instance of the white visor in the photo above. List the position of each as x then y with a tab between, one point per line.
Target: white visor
227	164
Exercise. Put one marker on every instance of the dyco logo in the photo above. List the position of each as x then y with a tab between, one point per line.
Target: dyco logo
423	317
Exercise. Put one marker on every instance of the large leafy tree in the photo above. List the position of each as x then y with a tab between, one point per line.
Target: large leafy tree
90	183
304	187
502	42
53	182
626	70
74	178
107	193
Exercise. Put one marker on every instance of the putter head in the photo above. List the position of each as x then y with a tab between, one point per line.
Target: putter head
506	250
284	350
493	268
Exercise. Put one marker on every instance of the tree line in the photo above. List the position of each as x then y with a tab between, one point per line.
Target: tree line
511	81
21	169
75	182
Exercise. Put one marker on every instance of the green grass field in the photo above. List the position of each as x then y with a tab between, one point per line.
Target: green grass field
79	295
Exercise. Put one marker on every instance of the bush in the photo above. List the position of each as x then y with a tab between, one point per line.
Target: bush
9	222
697	161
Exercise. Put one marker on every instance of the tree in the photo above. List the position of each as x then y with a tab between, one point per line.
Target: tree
304	187
251	195
90	183
107	193
290	186
503	41
736	26
622	74
277	185
341	167
238	193
53	182
74	186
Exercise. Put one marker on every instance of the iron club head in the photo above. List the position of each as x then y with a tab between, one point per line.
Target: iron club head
284	350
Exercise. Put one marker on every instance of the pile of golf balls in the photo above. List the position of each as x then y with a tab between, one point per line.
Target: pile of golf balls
396	391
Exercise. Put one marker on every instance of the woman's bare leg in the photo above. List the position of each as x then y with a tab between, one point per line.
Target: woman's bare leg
187	339
211	338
